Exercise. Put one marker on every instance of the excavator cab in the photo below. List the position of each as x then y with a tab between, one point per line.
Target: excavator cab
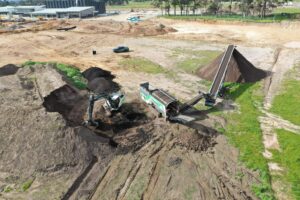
113	102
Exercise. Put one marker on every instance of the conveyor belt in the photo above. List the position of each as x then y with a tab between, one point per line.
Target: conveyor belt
220	76
191	103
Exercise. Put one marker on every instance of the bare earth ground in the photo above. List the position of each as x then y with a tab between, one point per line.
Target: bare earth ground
274	47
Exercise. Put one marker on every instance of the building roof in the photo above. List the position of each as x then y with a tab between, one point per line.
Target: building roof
14	8
76	9
53	11
30	7
48	11
6	9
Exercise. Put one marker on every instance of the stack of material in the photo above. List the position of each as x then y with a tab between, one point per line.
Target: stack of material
239	70
8	69
100	81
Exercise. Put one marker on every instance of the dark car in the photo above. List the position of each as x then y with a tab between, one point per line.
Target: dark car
121	49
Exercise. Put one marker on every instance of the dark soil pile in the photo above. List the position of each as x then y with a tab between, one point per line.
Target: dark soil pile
100	81
103	85
96	72
8	69
239	70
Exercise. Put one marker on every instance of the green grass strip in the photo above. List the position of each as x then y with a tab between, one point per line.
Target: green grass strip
286	104
141	65
289	159
72	73
26	185
243	131
277	17
194	59
132	5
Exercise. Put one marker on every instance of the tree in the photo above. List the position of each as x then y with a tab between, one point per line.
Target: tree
117	2
213	8
174	3
158	4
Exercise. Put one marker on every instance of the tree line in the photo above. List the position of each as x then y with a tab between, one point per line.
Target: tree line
216	7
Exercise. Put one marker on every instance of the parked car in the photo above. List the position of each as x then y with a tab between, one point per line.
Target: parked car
134	19
121	49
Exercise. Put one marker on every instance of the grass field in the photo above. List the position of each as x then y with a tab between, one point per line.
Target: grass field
193	59
72	73
141	65
243	131
289	158
286	103
287	10
276	17
131	5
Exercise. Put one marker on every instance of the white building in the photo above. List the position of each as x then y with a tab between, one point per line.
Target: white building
71	12
21	10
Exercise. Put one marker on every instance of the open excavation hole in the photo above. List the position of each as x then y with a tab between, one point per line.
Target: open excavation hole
130	115
72	105
69	102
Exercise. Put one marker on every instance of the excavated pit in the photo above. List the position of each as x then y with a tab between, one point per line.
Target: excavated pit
72	104
69	102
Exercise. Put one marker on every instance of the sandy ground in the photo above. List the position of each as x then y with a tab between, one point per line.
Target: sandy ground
273	47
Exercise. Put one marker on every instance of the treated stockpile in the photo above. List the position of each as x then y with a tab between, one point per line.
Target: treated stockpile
96	72
100	81
8	69
239	69
132	155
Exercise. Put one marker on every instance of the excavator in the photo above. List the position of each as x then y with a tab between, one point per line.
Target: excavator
169	107
112	102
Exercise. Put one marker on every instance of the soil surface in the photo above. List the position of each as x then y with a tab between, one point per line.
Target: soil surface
46	143
133	154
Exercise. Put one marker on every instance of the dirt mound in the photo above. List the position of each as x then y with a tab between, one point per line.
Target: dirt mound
239	69
192	140
144	28
39	144
8	69
103	85
100	81
96	72
35	26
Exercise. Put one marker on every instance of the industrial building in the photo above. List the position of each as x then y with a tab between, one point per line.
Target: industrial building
99	5
20	10
71	12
